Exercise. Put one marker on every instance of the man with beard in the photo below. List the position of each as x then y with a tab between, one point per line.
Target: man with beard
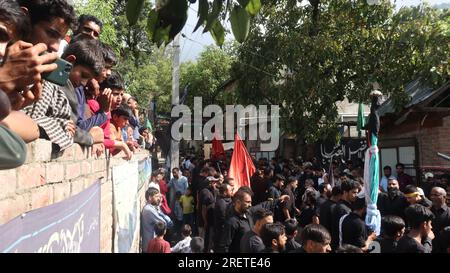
152	214
220	211
442	214
350	191
387	170
393	202
289	209
352	228
251	242
240	219
325	194
274	238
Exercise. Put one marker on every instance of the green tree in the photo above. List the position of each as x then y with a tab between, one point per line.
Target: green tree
145	68
104	11
206	77
306	58
152	80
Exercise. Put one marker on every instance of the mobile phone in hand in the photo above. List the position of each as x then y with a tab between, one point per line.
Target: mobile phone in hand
60	75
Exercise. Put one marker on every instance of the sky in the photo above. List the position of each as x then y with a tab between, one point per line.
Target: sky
194	43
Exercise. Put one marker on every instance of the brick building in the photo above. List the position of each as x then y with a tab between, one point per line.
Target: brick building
416	134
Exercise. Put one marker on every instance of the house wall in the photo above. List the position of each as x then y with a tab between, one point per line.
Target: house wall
432	136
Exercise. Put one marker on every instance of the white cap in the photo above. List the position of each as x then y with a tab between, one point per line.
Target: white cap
428	175
420	191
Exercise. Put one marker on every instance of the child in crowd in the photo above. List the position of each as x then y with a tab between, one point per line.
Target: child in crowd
158	244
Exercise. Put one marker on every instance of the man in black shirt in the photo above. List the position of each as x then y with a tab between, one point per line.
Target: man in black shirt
315	239
325	194
289	209
442	215
353	230
326	208
350	189
414	196
240	219
220	210
418	239
393	202
259	187
392	229
275	189
251	242
291	226
207	199
274	238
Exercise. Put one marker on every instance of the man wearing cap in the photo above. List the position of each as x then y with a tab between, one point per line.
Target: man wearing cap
428	184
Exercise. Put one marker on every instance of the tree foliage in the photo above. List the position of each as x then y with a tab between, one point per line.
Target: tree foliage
206	77
146	69
104	11
168	17
305	58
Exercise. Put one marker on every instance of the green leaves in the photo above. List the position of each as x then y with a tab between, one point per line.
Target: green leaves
240	23
243	3
218	33
203	7
212	17
171	16
166	21
152	23
133	10
253	7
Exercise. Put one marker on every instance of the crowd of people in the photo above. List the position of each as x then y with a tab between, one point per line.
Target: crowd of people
83	102
292	206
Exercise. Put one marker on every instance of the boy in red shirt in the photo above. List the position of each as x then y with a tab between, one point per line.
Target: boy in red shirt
158	244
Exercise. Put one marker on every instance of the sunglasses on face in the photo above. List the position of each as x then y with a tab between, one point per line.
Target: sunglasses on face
88	30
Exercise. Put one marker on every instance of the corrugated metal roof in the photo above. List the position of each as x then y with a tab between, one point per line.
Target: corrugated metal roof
416	92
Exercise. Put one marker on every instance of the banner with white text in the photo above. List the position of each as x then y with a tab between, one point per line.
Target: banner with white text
69	226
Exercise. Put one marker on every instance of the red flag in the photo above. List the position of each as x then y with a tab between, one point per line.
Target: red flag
218	152
241	166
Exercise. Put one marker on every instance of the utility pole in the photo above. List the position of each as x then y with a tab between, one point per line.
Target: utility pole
175	145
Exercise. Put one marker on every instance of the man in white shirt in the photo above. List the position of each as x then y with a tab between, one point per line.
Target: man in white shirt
184	246
384	180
